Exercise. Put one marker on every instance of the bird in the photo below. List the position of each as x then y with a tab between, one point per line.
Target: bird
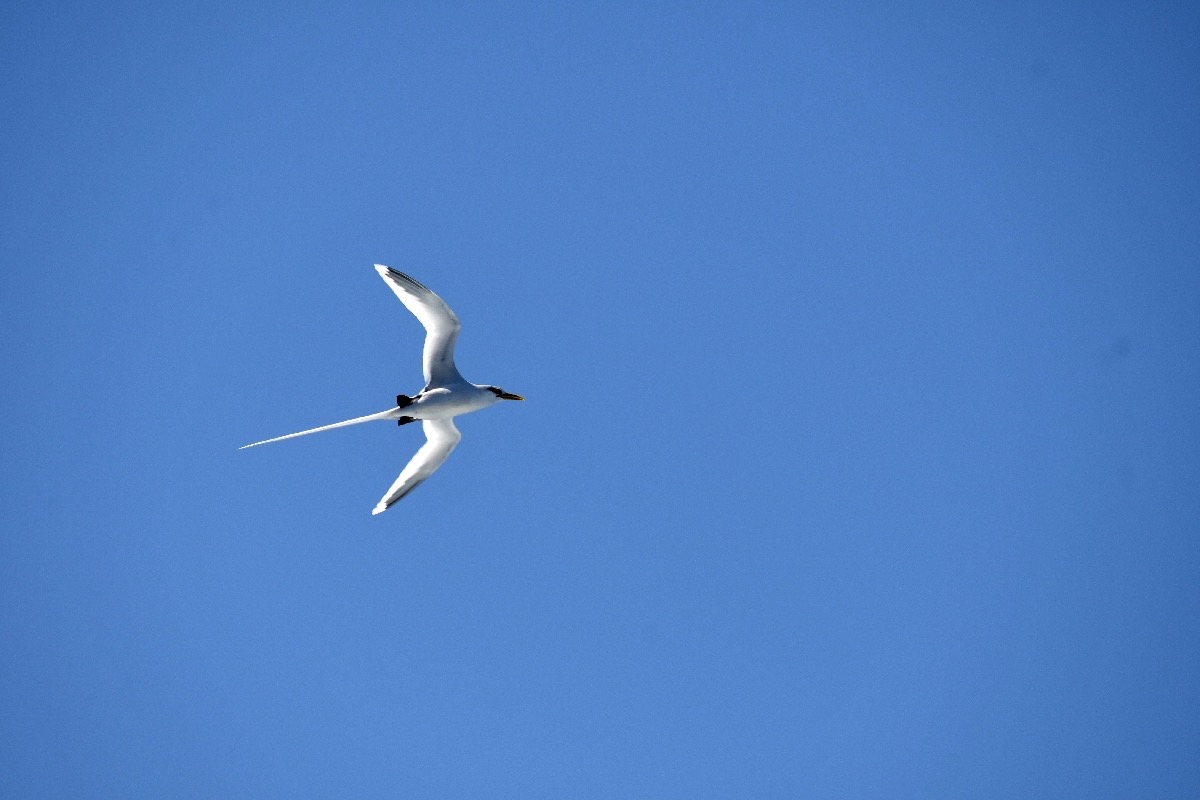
447	394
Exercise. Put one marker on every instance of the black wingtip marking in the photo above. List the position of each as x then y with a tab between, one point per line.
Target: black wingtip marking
407	278
403	494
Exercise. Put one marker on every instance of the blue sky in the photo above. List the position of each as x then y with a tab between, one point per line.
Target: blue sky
861	456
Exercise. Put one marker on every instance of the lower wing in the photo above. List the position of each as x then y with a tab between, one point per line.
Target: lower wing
440	438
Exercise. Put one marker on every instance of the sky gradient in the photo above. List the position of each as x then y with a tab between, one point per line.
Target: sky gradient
861	349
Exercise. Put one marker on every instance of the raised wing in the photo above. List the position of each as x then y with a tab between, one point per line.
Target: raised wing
441	326
440	438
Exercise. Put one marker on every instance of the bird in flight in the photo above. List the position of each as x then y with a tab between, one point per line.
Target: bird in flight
445	396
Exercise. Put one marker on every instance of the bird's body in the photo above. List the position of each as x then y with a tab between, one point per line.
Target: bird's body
444	402
446	394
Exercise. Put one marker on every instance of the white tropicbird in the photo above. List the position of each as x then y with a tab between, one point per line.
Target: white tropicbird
446	394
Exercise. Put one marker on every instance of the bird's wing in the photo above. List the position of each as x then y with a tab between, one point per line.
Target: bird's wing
441	436
441	326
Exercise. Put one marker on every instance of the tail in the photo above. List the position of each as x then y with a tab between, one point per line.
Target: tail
391	413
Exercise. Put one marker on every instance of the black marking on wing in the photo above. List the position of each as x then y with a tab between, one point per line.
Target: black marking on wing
398	274
403	494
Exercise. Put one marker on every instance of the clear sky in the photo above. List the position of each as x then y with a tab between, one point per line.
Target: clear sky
861	455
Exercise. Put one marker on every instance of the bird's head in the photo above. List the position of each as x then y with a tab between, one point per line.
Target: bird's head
503	395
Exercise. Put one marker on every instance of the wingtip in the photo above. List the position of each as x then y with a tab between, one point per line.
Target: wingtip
379	509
